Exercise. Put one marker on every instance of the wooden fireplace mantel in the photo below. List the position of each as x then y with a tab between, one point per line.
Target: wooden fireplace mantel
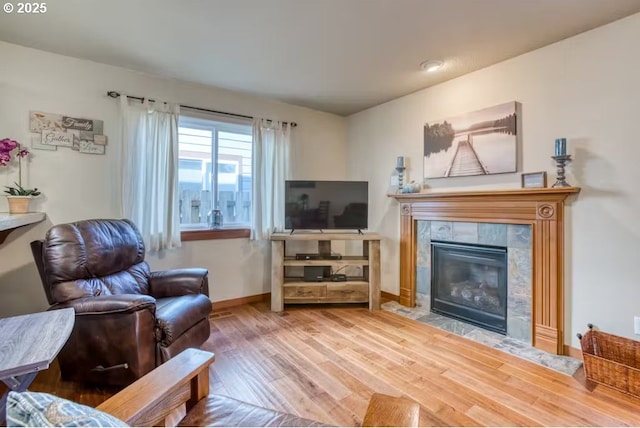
542	209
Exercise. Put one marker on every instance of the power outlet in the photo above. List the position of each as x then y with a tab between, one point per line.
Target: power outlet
636	325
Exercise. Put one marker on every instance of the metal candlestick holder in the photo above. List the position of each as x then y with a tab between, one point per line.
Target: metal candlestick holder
561	162
400	170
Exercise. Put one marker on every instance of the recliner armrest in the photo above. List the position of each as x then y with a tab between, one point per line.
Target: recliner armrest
117	303
153	399
178	282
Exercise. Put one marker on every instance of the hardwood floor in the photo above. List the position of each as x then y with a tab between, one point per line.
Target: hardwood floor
324	363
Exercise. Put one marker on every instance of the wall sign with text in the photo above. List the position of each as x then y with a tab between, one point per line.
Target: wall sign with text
50	131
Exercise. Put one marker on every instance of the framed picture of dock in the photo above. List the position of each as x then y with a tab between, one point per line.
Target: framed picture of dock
482	142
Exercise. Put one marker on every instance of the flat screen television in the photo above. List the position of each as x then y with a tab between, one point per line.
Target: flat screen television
326	204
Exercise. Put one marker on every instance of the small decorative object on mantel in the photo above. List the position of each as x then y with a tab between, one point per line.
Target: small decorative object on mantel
400	167
18	197
562	158
534	179
51	131
412	187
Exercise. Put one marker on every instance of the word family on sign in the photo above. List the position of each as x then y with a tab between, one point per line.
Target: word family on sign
75	123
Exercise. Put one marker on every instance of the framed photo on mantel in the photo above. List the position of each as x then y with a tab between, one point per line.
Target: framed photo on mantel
534	179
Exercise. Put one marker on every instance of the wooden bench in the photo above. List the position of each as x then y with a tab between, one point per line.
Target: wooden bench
164	396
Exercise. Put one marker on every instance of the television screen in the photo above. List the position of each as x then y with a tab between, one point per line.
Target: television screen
326	204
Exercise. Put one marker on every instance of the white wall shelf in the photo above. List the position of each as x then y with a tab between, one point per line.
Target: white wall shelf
8	222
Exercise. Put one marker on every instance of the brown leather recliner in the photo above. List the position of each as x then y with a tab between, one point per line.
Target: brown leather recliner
128	319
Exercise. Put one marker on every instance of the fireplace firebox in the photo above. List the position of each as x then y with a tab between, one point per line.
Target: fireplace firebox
469	282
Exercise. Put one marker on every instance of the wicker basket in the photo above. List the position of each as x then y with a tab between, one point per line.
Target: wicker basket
611	360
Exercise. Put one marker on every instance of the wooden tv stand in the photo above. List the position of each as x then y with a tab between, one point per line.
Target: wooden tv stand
293	289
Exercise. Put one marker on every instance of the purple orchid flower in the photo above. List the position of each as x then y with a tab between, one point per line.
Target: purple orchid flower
5	157
6	145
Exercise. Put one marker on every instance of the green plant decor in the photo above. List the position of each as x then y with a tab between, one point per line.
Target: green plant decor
21	191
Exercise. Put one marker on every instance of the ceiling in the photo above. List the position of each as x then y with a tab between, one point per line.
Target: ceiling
338	56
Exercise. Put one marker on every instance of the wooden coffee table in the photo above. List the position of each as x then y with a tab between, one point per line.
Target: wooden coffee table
28	344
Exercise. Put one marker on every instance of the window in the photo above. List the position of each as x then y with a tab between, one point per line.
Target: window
214	171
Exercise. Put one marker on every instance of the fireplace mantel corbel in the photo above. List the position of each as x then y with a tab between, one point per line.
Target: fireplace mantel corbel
542	209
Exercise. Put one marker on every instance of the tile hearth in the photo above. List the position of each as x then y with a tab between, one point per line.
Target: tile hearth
560	363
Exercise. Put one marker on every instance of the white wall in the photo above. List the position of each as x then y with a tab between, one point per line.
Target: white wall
587	89
79	186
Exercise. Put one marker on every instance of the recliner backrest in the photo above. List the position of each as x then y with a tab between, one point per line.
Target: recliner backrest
93	258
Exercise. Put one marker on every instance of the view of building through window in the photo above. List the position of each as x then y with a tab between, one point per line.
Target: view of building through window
214	172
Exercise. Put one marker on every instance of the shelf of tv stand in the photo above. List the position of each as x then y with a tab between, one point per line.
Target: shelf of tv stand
352	291
344	261
292	289
297	281
322	236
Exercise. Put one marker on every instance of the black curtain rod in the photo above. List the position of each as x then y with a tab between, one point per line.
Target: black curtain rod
114	94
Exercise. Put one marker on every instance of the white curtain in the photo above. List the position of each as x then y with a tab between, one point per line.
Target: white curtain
150	171
271	147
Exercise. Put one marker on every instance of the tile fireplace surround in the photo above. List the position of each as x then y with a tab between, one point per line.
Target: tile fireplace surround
542	209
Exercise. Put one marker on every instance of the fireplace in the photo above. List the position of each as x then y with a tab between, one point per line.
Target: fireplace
469	282
541	209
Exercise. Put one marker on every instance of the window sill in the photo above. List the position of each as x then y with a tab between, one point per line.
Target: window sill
208	234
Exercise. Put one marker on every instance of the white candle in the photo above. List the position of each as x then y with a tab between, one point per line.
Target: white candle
400	162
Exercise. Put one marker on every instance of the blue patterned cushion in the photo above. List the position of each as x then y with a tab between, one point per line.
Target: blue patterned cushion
37	409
